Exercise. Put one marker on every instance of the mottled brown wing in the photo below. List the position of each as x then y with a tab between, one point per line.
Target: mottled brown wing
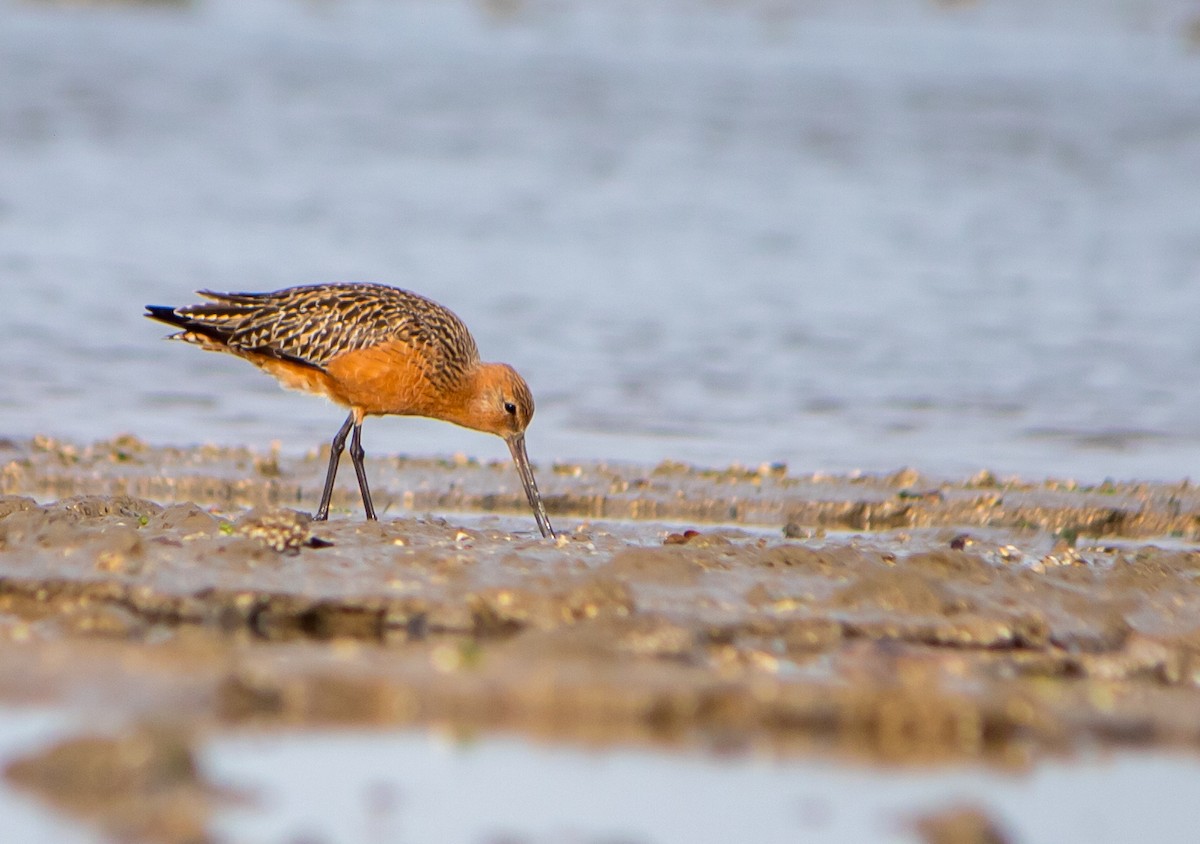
314	324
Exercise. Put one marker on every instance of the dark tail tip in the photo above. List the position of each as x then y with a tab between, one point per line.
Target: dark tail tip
165	313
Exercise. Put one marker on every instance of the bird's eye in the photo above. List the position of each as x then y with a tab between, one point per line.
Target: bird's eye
510	408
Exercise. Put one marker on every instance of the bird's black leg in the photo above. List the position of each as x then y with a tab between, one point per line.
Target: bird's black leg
335	454
356	456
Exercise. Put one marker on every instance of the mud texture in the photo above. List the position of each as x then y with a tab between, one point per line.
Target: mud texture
895	618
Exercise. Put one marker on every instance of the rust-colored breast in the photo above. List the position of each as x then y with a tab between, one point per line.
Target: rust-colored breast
389	378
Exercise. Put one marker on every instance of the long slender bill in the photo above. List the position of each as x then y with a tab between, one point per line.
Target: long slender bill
516	444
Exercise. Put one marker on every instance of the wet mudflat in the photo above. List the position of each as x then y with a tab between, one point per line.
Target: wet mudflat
895	619
839	235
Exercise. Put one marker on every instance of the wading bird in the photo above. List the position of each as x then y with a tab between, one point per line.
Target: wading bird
375	349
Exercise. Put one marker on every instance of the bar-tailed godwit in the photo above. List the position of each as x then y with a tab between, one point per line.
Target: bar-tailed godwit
372	348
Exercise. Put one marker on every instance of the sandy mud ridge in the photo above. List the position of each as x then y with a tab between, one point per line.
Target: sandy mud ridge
894	618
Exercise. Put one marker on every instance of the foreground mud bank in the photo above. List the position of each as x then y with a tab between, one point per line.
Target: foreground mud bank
892	618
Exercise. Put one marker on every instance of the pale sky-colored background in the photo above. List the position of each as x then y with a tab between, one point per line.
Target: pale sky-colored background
841	235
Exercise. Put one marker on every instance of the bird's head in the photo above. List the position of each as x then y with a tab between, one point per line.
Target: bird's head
501	403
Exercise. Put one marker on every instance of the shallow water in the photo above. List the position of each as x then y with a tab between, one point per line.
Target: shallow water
409	787
397	786
850	236
22	818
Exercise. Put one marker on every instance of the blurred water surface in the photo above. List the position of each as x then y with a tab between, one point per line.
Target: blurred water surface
842	235
388	787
